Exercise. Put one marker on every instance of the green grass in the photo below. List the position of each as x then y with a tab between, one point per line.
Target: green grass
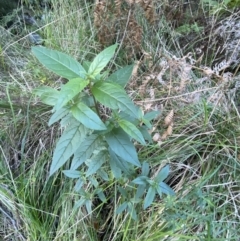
203	151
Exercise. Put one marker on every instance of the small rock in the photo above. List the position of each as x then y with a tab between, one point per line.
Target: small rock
28	19
35	38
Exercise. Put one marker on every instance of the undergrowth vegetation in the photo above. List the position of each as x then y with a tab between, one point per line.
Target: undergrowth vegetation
169	71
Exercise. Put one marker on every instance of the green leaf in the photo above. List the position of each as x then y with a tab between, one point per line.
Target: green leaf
121	208
132	131
88	100
60	63
119	143
114	97
48	95
132	211
39	91
87	117
140	113
78	185
85	150
151	115
147	123
88	205
117	165
163	174
79	203
101	60
58	115
70	90
116	171
121	76
151	182
166	189
145	133
93	181
67	145
149	197
96	162
72	173
66	120
140	192
101	195
140	180
103	175
86	65
122	191
125	116
145	169
159	190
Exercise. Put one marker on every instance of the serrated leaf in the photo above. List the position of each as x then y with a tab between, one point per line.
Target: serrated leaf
85	150
119	143
87	117
70	90
57	115
67	145
60	63
151	115
149	197
122	76
101	60
132	131
48	95
114	97
72	173
121	208
166	189
96	162
163	174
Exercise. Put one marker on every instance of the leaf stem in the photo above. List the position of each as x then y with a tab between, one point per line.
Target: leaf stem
95	102
96	106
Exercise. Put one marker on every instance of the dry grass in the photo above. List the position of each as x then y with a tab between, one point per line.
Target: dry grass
197	132
117	22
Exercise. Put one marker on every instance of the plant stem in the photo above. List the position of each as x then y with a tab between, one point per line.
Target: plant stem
96	106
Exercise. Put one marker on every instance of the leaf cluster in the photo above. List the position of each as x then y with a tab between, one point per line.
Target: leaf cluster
92	139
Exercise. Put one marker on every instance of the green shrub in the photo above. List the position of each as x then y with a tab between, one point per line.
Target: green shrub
99	121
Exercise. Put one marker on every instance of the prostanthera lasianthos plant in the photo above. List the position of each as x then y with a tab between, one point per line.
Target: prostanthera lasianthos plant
98	144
